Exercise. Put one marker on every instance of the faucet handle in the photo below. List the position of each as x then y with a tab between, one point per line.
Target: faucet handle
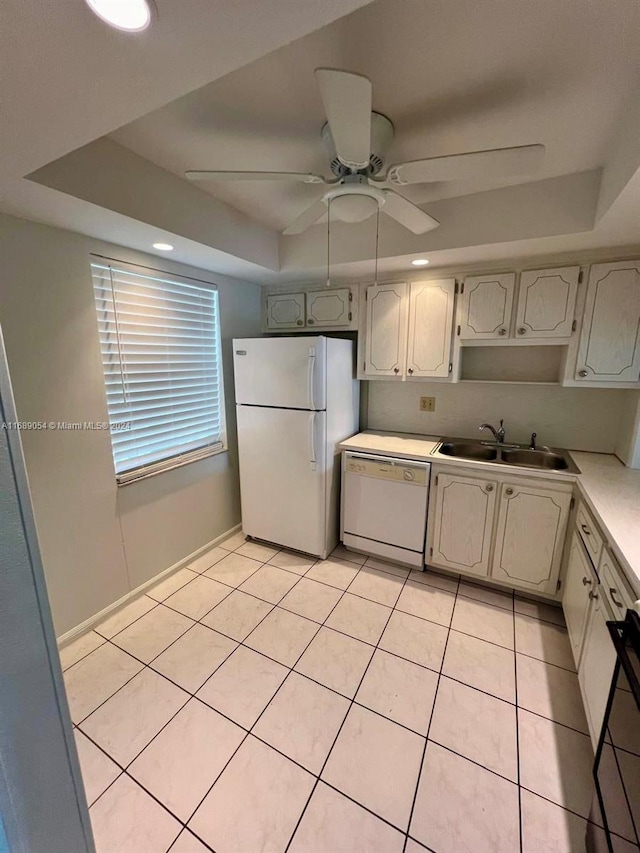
532	443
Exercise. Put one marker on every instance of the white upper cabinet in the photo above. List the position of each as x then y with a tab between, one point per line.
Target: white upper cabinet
430	327
329	307
386	331
530	536
463	522
486	306
609	349
285	311
546	302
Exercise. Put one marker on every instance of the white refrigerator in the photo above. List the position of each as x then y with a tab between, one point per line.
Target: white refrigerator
296	399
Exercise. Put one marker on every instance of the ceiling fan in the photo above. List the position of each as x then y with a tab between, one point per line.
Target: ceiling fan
357	139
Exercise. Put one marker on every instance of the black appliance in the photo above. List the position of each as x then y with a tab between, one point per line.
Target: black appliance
617	763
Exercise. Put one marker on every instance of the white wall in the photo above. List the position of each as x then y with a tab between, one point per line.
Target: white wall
41	786
628	443
98	541
574	418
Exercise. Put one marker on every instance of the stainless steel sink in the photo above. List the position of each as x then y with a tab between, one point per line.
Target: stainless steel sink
547	458
543	458
469	450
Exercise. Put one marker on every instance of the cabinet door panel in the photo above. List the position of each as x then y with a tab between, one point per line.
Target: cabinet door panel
285	311
580	580
546	302
596	669
610	339
386	330
486	306
529	537
328	307
463	523
430	327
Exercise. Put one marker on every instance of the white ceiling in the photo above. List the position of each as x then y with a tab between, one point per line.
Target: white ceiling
220	85
456	76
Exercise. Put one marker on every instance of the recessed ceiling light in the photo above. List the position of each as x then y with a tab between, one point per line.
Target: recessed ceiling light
163	247
420	262
130	15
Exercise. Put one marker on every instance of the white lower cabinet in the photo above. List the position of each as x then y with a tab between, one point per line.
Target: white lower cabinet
596	668
579	588
464	513
501	528
532	521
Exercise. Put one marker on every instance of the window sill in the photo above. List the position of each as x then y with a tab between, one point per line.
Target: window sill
163	467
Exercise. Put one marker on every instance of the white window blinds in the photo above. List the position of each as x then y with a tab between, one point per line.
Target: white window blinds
160	343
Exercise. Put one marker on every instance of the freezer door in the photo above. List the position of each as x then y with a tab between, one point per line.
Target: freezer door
280	372
283	462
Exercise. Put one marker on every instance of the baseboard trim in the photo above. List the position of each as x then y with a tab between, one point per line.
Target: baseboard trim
85	626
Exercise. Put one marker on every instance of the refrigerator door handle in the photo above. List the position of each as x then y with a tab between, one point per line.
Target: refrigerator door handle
312	442
311	376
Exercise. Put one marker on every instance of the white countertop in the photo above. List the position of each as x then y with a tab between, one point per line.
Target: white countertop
609	488
612	493
392	444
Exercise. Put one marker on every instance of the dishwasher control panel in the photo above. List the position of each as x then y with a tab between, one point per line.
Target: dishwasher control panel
387	471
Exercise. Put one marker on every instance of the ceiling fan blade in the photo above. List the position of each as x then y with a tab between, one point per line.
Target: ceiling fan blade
497	162
407	213
347	104
302	177
307	218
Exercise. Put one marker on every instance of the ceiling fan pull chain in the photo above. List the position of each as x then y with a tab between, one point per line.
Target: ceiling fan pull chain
328	241
375	274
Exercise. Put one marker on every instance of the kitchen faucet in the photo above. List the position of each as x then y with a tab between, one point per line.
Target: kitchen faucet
498	434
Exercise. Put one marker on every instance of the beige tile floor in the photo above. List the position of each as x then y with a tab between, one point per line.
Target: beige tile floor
261	701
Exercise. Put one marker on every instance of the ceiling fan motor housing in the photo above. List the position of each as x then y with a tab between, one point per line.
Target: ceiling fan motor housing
381	139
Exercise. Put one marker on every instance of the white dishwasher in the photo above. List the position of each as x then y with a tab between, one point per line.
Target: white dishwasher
384	506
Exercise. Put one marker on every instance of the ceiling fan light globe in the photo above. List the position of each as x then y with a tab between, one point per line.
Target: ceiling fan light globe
353	208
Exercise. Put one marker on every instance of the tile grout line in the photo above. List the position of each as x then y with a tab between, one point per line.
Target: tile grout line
351	704
189	832
124	769
273	606
353	701
67	668
161	675
191	695
433	708
517	714
249	732
184	586
146	664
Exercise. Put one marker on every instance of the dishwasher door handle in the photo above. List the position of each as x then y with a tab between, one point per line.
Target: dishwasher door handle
390	460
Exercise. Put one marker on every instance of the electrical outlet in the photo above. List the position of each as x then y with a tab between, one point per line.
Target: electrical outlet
427	404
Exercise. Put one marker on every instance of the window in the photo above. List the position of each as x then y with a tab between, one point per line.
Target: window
160	343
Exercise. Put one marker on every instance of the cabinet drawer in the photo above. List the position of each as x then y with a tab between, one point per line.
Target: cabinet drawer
613	586
589	533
